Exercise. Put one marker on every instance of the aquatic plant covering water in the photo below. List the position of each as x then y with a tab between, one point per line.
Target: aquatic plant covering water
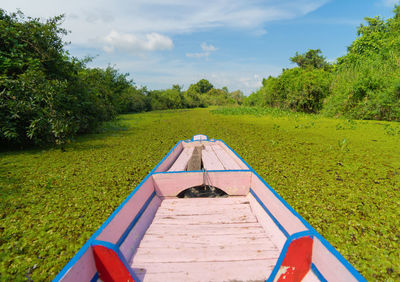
342	176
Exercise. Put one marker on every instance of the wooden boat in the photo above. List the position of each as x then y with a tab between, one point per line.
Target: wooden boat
243	231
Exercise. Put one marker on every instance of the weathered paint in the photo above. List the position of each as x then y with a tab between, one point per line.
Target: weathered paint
240	227
116	228
297	261
182	160
198	137
267	223
109	265
210	159
328	265
250	270
180	240
290	223
311	277
242	164
227	160
170	158
136	234
235	183
84	268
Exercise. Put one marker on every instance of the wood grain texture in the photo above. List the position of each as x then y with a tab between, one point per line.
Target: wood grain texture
117	226
329	266
241	164
182	160
234	183
205	239
251	270
284	216
267	223
227	161
83	270
171	158
194	162
132	241
210	159
310	277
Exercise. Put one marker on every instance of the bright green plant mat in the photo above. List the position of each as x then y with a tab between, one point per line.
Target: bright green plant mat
342	176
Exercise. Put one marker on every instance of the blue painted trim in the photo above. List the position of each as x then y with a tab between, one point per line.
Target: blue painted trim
178	171
281	228
115	248
345	263
319	275
330	248
191	141
84	248
95	277
289	240
201	139
163	159
211	170
106	244
135	220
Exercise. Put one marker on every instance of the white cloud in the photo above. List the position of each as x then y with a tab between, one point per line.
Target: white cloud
89	24
197	55
158	73
134	43
207	49
142	26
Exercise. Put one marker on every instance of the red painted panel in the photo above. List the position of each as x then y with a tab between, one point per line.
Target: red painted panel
297	261
109	266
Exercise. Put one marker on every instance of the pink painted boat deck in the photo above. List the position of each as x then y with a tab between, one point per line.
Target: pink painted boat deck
214	157
156	236
205	239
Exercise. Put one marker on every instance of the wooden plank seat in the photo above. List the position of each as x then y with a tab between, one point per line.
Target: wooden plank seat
216	158
205	239
181	162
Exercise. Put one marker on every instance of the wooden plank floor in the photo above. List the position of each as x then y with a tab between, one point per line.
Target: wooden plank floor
205	239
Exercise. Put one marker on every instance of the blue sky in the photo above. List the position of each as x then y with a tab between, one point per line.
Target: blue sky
231	43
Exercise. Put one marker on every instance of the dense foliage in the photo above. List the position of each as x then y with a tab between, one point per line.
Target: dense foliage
367	81
302	88
332	171
363	84
48	96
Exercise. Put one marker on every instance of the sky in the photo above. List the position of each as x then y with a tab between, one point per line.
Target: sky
233	43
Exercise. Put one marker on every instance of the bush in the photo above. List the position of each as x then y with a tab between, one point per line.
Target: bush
46	96
297	89
369	90
366	85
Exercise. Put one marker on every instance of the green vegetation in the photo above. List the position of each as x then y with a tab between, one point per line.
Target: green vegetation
342	176
363	84
48	96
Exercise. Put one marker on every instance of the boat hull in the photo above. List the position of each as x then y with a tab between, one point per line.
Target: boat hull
252	234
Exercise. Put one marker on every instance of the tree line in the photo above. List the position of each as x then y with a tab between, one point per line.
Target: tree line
49	96
363	84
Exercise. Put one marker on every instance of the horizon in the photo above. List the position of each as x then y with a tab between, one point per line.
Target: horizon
180	42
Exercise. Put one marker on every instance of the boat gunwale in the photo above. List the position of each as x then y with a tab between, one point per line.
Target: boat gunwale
92	238
324	242
311	231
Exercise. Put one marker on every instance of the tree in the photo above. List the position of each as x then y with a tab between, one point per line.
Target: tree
237	96
46	96
311	59
204	86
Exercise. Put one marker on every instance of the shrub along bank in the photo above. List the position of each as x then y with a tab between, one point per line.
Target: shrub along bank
48	96
363	84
